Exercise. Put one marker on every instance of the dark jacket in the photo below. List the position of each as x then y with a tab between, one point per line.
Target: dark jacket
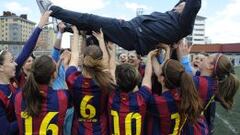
168	27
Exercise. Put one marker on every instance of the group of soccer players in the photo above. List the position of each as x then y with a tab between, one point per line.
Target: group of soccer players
110	98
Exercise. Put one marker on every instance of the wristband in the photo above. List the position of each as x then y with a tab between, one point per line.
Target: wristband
59	35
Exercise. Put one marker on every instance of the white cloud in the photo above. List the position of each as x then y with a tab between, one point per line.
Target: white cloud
133	6
224	27
82	5
16	7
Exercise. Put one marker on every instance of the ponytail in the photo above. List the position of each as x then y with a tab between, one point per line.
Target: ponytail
227	88
190	105
32	96
228	83
96	69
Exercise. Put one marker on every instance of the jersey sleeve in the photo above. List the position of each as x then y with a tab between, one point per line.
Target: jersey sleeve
6	127
71	76
27	49
55	54
146	92
69	96
185	61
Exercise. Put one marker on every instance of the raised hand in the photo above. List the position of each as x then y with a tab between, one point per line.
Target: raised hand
61	27
75	30
166	47
98	35
44	19
183	49
152	54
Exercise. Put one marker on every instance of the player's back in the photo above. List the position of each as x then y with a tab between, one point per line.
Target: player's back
51	118
163	117
206	87
127	111
90	103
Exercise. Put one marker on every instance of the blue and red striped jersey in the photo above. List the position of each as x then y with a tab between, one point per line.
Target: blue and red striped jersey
127	111
90	103
51	118
8	124
206	87
21	79
199	128
163	117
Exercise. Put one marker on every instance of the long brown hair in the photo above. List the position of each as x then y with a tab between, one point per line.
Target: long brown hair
228	83
93	65
41	74
190	105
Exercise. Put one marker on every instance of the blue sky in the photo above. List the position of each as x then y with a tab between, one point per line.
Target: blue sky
222	25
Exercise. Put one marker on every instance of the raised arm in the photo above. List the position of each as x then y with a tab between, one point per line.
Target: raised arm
189	13
83	45
31	43
75	48
57	45
102	45
112	61
183	56
156	65
147	79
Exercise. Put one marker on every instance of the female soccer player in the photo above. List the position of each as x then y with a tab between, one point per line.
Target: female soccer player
90	88
178	103
217	82
9	69
127	105
25	71
39	108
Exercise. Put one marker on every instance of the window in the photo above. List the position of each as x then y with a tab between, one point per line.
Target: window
198	39
199	29
199	24
189	38
198	34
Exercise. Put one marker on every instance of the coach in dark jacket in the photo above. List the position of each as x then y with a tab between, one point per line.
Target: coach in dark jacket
142	33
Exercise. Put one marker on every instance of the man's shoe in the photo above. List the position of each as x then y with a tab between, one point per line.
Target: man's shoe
44	5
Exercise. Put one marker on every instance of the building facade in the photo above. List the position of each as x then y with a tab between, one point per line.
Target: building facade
45	42
198	34
14	31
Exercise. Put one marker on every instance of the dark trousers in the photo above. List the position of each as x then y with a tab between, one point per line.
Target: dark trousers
118	31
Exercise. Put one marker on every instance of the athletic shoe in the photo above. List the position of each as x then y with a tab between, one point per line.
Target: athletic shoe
44	5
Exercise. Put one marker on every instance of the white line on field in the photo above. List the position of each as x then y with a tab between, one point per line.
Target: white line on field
228	124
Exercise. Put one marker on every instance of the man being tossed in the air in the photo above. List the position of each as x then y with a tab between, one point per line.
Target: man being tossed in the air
142	33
